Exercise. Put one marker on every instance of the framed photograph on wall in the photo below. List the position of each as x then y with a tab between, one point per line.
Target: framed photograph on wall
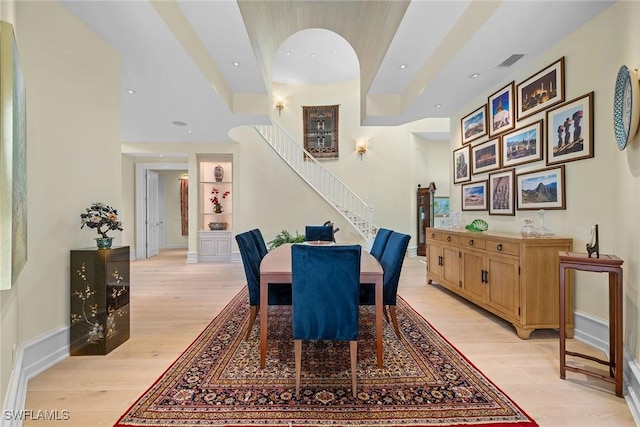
440	206
523	145
485	157
501	193
461	165
474	196
474	125
541	189
570	130
501	107
542	90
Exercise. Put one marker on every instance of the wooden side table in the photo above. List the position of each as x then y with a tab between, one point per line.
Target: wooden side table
605	264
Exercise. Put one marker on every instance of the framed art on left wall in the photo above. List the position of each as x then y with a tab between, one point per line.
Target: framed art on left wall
13	151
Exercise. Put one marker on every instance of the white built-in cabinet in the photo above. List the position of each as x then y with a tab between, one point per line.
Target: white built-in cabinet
215	181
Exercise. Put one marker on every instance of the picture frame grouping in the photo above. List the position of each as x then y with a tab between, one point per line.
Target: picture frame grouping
498	141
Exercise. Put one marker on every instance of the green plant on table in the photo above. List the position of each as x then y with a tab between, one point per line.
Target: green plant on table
285	237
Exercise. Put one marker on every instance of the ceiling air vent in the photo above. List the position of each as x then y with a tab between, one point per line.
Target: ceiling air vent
511	60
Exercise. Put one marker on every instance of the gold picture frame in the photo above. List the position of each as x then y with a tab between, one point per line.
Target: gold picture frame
13	161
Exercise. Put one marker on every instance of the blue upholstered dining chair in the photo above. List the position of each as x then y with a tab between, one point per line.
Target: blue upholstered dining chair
279	294
325	283
380	242
391	261
261	245
318	232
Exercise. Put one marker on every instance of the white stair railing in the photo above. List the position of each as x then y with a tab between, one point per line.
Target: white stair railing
321	179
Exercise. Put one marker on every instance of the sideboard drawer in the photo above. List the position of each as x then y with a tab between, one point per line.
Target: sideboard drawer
503	247
472	242
453	239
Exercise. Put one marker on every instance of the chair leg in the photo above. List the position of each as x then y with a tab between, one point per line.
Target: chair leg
297	349
353	350
252	318
384	311
394	320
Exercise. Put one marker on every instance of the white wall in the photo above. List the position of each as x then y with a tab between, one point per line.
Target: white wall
602	190
72	80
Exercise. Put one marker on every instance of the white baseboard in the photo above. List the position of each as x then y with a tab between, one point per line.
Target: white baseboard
192	257
595	332
32	358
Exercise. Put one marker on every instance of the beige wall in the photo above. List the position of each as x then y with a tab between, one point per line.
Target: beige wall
73	158
603	190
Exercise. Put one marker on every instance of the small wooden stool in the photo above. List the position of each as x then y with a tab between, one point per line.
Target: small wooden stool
605	264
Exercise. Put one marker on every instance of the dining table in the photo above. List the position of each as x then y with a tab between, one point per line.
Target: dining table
275	268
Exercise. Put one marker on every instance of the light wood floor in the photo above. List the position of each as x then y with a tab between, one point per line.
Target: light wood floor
172	302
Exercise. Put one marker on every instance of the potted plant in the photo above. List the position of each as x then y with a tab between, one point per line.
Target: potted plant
285	237
217	205
103	218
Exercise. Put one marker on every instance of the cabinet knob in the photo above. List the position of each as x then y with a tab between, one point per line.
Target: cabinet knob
433	235
471	242
499	247
448	238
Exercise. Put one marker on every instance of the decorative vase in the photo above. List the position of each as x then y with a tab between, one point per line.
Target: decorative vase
528	230
218	173
104	242
217	226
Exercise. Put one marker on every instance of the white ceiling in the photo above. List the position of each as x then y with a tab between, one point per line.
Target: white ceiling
178	55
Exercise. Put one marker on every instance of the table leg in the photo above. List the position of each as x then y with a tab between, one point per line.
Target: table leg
615	285
264	311
379	304
562	322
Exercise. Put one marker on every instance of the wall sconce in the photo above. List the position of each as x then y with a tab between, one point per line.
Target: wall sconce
279	104
361	146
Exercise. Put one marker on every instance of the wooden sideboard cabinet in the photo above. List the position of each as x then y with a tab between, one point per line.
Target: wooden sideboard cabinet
99	300
513	277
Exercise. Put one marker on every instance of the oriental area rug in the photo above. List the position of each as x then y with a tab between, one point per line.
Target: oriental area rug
425	381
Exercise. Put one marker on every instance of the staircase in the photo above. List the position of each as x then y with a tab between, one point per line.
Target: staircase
325	183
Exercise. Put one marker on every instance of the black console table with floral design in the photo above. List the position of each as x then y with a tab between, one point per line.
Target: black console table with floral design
99	300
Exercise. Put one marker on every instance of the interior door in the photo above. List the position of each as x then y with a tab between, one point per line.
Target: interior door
152	214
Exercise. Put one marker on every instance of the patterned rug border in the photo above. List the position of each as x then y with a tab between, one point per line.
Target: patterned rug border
226	314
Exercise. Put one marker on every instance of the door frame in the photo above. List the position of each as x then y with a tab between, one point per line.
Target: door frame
141	171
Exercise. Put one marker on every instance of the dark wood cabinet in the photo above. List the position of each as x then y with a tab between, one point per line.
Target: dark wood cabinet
99	300
424	216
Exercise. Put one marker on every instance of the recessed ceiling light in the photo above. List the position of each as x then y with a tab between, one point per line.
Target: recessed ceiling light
333	51
178	123
313	55
474	75
131	91
403	66
190	131
288	53
438	105
236	63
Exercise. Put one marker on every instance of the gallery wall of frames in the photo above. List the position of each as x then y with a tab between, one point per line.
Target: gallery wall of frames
531	121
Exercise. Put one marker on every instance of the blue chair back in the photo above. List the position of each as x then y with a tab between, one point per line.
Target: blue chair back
318	232
391	261
250	253
251	262
380	242
326	281
259	240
